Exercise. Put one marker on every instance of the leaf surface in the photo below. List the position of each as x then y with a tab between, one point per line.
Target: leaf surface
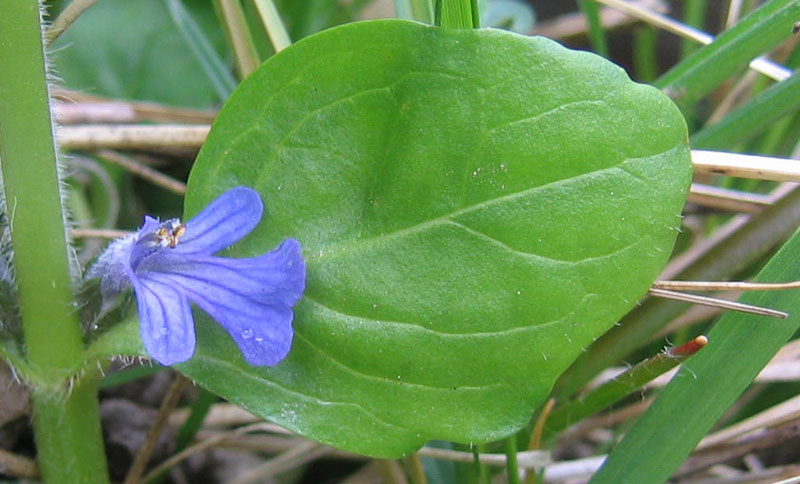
134	50
475	207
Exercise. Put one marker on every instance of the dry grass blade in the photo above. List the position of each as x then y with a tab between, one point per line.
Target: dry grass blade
294	457
125	137
76	107
70	14
153	176
712	455
98	233
762	65
574	24
720	303
201	446
727	199
143	455
18	466
724	286
779	414
529	459
745	166
783	197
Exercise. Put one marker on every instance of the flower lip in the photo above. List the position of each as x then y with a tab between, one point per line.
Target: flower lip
170	264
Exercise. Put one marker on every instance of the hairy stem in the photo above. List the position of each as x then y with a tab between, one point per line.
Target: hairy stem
66	421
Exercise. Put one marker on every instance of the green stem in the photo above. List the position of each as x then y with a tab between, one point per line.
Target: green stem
51	329
512	467
66	422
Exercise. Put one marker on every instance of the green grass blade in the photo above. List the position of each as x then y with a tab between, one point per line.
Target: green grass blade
645	60
278	35
740	345
694	14
597	34
620	387
753	117
457	13
419	10
216	70
708	67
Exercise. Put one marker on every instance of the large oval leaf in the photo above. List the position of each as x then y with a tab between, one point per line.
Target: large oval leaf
475	208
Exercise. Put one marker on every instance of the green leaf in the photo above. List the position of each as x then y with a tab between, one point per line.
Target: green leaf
740	345
475	207
134	50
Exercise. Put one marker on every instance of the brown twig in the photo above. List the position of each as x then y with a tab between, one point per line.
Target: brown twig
169	402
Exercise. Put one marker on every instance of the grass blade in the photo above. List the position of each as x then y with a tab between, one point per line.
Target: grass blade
740	346
271	19
620	387
752	118
216	70
707	68
597	35
238	34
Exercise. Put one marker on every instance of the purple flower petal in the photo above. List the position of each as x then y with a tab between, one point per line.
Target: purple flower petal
222	223
170	264
167	326
251	298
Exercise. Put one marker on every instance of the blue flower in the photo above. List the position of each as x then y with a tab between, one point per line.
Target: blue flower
170	264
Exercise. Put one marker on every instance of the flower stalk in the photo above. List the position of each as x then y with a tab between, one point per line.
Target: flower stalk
66	421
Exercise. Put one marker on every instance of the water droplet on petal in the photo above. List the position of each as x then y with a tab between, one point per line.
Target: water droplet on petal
247	333
259	340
